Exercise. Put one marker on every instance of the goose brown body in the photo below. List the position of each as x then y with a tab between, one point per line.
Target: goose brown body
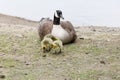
47	26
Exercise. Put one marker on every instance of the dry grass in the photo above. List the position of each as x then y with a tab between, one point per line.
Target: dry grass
96	56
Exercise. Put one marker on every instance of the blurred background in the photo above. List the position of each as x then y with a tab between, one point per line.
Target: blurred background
79	12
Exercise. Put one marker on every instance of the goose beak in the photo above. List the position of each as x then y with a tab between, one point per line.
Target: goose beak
61	16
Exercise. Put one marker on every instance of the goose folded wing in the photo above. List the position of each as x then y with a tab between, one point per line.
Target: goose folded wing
70	29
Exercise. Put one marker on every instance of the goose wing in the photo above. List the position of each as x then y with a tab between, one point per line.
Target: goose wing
70	29
45	27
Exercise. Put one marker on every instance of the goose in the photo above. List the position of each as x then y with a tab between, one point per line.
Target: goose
63	30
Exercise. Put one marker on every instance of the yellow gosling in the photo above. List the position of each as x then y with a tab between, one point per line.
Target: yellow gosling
46	44
57	47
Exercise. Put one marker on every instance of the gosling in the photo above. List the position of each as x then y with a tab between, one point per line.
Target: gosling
46	44
57	47
51	44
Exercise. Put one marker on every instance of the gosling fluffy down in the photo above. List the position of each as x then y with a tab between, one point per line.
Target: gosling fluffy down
46	44
51	44
57	47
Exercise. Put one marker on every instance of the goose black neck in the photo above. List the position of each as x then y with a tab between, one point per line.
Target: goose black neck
56	21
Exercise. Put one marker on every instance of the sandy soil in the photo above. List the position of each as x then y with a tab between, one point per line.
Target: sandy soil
94	56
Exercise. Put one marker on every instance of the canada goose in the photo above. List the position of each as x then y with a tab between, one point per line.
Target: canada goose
51	44
64	30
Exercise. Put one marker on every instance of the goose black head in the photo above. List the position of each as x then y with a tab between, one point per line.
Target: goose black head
58	14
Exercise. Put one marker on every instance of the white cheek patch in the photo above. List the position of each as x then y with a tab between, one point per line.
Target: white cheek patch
56	15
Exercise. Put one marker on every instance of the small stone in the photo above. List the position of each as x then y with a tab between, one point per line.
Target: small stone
81	38
94	30
87	53
16	60
26	74
44	56
1	66
117	47
2	76
27	64
67	79
102	62
117	57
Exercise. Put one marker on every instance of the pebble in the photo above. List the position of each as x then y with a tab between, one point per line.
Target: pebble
102	62
2	76
44	56
1	66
